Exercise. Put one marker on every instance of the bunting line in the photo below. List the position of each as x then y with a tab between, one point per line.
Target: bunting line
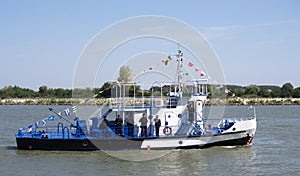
169	59
51	118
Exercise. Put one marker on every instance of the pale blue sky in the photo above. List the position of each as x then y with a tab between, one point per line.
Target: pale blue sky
257	42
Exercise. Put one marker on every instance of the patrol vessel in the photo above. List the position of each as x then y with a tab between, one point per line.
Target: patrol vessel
120	126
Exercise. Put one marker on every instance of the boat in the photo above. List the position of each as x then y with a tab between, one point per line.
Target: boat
167	118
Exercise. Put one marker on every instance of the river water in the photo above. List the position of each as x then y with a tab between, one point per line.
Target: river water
275	150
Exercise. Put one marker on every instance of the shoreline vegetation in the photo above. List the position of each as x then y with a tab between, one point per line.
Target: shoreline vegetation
104	95
107	101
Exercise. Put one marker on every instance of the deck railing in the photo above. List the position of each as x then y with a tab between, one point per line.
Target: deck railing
68	132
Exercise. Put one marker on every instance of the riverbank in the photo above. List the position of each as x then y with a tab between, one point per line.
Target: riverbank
262	101
105	101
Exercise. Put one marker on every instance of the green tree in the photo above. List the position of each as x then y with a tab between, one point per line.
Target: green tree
236	90
275	92
268	91
62	93
251	90
124	74
83	92
43	91
216	91
265	93
104	91
134	90
16	92
296	93
287	90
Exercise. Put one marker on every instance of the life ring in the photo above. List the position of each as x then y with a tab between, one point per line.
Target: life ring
85	143
167	130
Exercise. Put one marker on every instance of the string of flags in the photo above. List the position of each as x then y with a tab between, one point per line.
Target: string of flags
227	91
165	62
197	69
94	96
85	101
67	112
169	59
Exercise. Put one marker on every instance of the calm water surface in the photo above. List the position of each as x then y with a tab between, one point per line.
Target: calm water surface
275	150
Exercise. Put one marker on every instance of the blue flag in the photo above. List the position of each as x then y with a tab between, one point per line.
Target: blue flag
44	121
37	124
30	128
51	118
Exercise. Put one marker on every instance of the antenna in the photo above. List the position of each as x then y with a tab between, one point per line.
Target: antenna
179	69
179	73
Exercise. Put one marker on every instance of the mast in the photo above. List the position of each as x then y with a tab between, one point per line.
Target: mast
179	72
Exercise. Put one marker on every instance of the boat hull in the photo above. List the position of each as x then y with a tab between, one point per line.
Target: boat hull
190	142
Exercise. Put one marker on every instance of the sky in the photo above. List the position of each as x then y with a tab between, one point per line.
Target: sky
257	42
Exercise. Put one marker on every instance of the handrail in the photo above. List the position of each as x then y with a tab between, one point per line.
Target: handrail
62	127
67	132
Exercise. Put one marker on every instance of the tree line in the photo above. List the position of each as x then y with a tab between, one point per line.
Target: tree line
107	90
265	91
43	92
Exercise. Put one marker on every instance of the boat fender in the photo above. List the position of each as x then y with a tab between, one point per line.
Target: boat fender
167	130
